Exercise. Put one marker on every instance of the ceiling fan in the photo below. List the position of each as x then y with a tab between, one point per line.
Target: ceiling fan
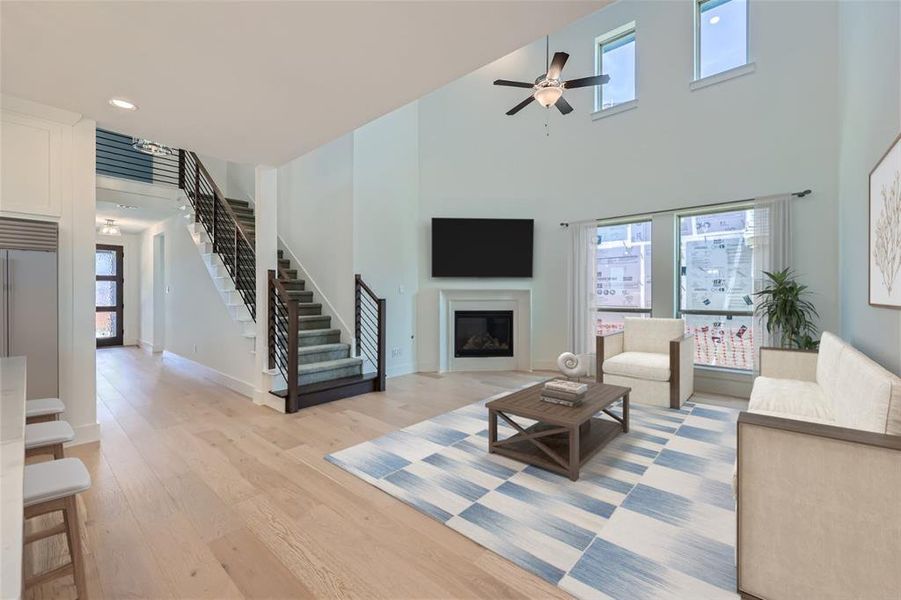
548	87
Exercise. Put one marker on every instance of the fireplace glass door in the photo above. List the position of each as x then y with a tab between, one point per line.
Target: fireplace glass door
483	333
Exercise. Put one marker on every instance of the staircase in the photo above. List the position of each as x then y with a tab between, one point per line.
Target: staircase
219	271
327	368
313	363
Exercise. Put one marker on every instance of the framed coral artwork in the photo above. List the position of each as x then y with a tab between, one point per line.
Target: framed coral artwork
885	229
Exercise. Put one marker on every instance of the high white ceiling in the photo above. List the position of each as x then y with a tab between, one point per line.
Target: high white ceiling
256	82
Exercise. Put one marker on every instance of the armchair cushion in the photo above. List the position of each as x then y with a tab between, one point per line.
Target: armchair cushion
651	335
641	365
791	398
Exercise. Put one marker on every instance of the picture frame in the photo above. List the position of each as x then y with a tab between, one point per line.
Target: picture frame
884	229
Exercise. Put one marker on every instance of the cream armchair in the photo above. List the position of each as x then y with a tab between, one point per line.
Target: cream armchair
654	357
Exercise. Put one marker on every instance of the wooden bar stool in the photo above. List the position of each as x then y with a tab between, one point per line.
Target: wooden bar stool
47	438
49	487
43	409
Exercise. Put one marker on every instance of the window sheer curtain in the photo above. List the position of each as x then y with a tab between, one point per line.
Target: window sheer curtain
582	285
772	251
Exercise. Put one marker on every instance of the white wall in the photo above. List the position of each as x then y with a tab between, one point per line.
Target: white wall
350	207
869	71
386	197
235	180
316	222
198	325
131	293
771	131
48	172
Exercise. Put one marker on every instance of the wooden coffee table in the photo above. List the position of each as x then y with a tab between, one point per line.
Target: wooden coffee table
563	438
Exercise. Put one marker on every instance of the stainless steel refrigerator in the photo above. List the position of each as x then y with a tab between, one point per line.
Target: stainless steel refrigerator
28	302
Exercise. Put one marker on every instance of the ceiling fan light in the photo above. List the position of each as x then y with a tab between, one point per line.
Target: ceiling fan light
548	95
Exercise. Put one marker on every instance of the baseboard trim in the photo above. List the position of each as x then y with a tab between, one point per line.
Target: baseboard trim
85	434
399	370
264	398
149	346
236	385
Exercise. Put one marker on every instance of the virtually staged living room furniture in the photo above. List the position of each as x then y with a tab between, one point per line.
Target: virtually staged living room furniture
819	477
563	438
653	357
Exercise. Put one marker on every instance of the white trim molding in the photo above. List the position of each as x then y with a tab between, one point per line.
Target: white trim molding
614	110
236	385
519	301
722	76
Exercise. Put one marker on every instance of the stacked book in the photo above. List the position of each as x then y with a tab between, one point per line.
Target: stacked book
567	393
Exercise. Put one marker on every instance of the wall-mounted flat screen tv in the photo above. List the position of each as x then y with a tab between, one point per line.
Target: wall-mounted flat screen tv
482	247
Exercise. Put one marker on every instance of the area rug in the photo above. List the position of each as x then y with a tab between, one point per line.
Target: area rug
651	516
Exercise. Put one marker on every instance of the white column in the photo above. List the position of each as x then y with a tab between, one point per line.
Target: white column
265	216
78	380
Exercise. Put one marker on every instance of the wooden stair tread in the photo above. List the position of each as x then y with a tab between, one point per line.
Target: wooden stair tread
321	386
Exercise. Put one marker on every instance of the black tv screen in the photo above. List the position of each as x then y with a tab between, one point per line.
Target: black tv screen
482	247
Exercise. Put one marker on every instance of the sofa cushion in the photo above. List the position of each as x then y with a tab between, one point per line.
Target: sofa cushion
790	398
640	365
651	335
828	358
862	393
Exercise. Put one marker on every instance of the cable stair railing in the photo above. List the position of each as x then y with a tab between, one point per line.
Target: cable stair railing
231	239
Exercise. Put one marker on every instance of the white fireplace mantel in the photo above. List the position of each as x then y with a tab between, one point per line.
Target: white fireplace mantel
519	301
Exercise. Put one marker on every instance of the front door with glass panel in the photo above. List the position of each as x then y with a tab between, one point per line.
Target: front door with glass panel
108	316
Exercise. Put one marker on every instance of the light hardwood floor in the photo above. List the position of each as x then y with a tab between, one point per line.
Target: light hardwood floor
199	493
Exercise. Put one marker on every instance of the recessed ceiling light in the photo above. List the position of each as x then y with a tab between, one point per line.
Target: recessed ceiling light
127	206
714	20
123	104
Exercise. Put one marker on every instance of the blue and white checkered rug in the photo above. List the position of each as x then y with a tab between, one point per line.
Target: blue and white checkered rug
651	516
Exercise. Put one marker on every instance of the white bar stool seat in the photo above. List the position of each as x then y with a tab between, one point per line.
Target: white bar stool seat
50	487
43	409
54	479
47	438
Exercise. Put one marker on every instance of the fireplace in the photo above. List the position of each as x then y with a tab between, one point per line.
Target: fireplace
481	333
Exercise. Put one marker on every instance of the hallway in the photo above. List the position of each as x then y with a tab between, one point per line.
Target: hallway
199	493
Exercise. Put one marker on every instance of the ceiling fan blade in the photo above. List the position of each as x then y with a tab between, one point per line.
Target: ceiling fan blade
586	81
521	105
563	106
508	83
557	63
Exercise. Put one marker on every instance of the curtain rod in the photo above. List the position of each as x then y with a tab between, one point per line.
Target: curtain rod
800	194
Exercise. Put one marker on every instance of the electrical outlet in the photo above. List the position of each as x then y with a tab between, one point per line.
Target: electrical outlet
401	290
395	352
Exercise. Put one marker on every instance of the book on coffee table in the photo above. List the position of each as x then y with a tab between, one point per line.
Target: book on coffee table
570	387
561	395
561	401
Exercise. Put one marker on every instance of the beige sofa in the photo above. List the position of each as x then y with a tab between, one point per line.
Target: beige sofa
654	357
819	477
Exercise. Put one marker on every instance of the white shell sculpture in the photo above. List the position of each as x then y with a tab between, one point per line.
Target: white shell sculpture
571	365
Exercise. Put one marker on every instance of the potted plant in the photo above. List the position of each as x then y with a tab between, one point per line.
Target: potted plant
788	314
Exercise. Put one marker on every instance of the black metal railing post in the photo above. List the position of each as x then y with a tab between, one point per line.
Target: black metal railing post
380	369
293	376
272	324
357	308
181	169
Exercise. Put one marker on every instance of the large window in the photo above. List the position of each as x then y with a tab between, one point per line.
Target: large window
716	286
623	274
616	58
721	36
